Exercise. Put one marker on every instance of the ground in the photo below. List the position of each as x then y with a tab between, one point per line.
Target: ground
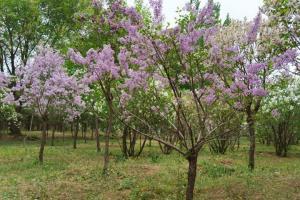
76	173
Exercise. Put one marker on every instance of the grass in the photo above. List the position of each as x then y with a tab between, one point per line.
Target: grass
76	174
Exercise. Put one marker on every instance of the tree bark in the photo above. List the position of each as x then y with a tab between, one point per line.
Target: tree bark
31	122
142	145
76	134
107	136
191	176
52	137
72	129
63	132
251	131
124	142
85	130
97	134
150	143
43	142
92	134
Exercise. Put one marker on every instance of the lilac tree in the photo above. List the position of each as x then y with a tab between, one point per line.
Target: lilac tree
103	71
246	64
104	65
176	57
175	61
46	87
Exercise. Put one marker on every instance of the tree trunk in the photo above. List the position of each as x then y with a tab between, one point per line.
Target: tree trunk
150	143
97	134
191	176
63	132
52	137
251	131
124	142
31	121
43	142
92	134
107	135
47	131
142	145
85	130
82	131
76	134
72	129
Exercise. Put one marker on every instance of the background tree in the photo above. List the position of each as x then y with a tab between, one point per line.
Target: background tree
280	114
45	87
246	62
7	112
229	133
26	24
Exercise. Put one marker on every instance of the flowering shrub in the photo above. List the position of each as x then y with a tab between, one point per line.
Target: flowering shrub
278	120
45	87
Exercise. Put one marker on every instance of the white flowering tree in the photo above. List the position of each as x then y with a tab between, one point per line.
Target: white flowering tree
7	112
279	119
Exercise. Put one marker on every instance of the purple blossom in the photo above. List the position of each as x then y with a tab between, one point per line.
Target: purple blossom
205	15
100	63
286	58
46	85
255	68
76	57
3	80
122	56
132	12
184	80
156	5
210	96
238	85
116	6
130	28
189	40
137	79
252	34
211	76
233	49
260	92
215	53
209	35
125	97
275	113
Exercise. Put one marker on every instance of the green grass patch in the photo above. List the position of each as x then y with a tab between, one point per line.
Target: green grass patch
69	173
